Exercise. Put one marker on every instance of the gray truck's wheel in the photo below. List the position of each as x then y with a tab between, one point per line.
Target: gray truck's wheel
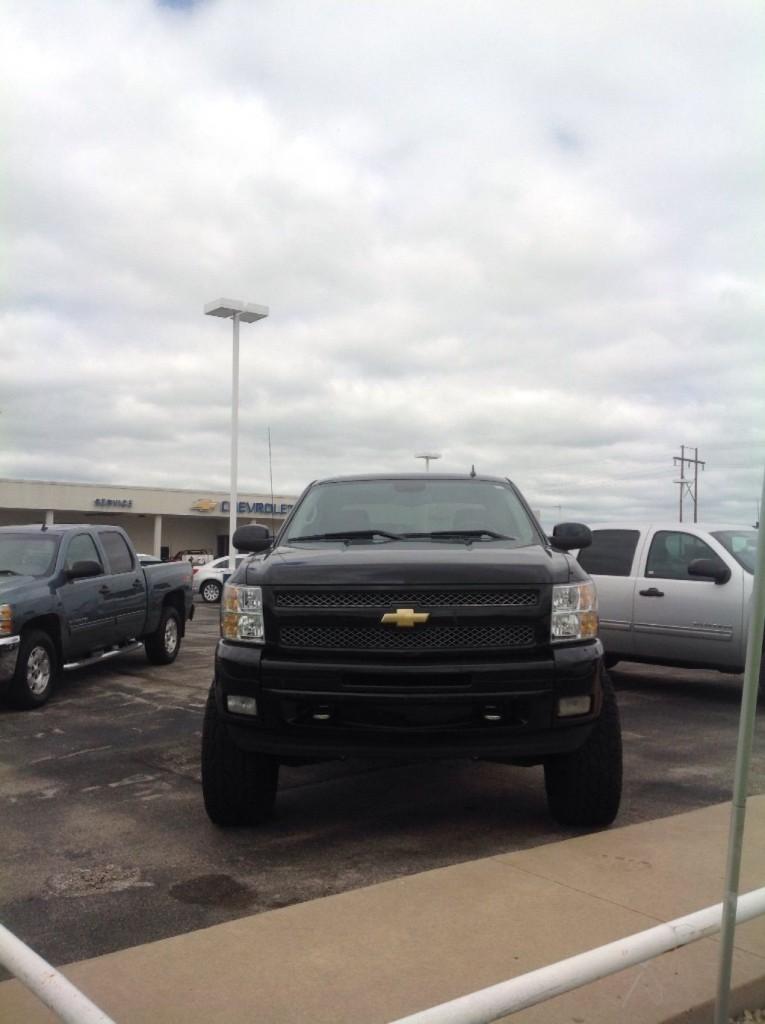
36	669
162	647
584	788
239	787
210	591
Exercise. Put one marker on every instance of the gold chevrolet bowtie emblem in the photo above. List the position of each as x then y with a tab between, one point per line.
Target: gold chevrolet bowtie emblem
406	617
204	505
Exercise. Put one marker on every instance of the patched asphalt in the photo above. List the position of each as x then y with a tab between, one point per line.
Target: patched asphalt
105	843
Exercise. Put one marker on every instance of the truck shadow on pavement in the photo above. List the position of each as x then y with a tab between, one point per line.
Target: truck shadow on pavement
661	682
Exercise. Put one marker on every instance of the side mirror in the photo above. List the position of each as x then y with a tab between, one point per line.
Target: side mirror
84	570
253	538
710	568
567	536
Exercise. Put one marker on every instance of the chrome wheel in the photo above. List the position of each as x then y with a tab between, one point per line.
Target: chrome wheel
38	671
171	635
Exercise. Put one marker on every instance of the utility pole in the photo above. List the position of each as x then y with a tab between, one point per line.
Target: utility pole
692	488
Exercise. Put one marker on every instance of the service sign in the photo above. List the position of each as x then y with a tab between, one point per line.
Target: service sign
113	502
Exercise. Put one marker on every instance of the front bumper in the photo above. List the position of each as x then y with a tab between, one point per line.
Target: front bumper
483	708
9	653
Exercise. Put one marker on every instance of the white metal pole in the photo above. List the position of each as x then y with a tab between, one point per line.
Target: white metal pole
48	984
234	444
490	1004
157	536
743	760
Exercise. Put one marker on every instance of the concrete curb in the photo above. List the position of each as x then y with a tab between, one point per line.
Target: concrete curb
372	955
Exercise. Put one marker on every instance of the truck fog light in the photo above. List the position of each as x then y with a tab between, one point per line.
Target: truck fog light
241	705
568	706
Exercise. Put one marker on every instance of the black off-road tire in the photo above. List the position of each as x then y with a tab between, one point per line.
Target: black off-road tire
162	647
36	671
210	591
584	787
238	786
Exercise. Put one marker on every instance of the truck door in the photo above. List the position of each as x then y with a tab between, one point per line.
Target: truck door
682	618
126	587
609	560
88	620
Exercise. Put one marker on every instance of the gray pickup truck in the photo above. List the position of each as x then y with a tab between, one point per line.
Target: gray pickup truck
74	595
673	593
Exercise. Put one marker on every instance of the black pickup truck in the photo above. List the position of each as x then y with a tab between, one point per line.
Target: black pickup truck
73	595
411	616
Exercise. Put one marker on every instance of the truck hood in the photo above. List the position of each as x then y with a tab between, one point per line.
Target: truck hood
411	563
11	585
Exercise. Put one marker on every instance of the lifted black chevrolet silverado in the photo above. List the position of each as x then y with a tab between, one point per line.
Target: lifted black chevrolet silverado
411	616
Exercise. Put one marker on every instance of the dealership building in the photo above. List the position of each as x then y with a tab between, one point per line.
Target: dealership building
158	521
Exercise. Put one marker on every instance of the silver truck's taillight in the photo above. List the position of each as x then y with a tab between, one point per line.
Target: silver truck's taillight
242	614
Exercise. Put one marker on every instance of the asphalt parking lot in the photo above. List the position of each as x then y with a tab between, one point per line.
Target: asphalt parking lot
105	843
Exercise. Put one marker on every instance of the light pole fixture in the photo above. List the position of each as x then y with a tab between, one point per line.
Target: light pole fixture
248	313
429	457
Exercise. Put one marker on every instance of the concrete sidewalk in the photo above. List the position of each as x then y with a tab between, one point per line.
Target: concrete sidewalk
379	953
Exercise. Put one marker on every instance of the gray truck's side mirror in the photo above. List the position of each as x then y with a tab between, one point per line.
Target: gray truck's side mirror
709	568
253	538
84	570
567	536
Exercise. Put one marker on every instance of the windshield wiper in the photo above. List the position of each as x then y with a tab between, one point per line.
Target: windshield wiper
347	535
462	534
9	572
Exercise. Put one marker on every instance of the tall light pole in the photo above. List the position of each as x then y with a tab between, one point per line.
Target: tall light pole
429	457
248	313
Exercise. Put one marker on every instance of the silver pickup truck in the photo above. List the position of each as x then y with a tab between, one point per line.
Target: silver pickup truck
673	594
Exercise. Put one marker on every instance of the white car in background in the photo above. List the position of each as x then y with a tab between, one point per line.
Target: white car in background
209	578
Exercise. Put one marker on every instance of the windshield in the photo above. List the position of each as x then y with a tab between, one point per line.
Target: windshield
742	544
378	511
27	554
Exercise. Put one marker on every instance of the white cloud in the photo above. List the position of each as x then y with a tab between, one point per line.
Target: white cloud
523	235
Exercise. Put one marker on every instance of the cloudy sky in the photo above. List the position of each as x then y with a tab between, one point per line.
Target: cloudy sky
525	235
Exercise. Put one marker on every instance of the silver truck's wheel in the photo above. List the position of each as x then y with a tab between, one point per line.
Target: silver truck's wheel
210	591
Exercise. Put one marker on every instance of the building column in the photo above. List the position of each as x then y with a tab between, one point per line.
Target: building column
49	517
157	536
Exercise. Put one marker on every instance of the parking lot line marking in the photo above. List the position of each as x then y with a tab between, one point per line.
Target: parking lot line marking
74	753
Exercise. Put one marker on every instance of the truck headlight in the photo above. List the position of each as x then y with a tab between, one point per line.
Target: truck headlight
6	620
574	612
242	614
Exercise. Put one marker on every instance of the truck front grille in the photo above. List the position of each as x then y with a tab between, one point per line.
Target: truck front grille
424	638
522	598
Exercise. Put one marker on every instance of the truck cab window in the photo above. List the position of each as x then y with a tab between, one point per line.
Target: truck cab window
672	552
82	549
117	551
611	552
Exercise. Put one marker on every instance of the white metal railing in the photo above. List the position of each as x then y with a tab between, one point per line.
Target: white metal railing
48	984
489	1004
